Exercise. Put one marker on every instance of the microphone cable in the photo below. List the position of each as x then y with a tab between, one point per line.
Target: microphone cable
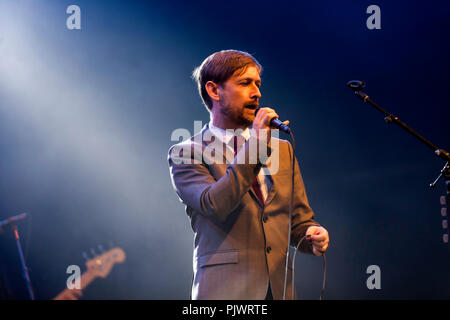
290	215
308	237
301	240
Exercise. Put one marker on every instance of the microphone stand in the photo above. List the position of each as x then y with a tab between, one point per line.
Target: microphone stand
12	222
22	261
357	86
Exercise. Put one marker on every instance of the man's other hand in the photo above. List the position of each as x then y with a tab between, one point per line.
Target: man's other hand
319	239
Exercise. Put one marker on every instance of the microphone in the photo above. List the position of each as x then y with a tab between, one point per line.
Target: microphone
356	85
4	224
277	124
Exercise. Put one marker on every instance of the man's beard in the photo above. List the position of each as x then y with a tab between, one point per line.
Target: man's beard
237	116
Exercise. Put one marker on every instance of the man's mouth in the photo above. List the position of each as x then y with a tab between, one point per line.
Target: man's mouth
251	106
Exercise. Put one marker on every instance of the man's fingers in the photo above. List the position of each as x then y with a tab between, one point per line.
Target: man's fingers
266	109
320	237
269	117
320	243
319	234
321	248
267	112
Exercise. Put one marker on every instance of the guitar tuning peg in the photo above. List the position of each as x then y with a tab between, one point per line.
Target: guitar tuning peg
100	248
85	256
94	254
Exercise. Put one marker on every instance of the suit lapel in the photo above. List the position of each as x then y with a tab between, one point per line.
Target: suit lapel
220	154
270	190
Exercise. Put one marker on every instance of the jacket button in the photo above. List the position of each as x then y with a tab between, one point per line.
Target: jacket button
268	249
265	219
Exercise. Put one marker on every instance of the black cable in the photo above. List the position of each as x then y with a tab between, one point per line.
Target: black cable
293	264
322	292
290	215
324	269
301	240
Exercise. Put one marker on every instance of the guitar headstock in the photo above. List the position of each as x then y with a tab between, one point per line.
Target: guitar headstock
101	265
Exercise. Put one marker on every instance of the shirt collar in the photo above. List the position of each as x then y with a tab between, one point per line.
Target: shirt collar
226	135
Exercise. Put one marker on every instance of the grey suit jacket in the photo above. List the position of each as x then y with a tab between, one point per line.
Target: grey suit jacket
240	246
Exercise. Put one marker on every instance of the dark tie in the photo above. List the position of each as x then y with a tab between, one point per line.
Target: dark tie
255	183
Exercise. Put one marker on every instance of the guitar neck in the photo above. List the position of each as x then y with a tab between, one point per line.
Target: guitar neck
99	266
85	279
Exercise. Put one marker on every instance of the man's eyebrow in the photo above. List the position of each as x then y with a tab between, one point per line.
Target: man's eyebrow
248	79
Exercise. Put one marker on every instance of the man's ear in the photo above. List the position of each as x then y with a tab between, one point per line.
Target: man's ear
213	90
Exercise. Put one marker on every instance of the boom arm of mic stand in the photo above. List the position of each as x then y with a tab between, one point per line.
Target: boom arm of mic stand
389	118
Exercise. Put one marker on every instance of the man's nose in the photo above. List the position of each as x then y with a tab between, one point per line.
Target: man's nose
255	92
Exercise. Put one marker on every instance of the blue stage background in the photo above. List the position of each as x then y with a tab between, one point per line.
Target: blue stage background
86	118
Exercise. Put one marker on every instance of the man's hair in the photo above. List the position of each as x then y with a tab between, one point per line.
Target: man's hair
219	67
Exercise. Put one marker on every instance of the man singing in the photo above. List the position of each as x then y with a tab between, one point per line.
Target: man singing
239	208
